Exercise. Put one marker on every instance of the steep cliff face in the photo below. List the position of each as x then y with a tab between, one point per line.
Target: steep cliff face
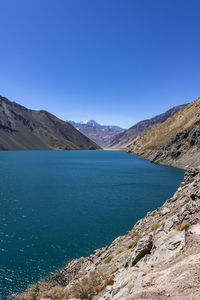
183	150
25	129
125	139
157	259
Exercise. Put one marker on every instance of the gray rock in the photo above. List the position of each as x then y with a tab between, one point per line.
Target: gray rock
168	225
122	293
169	246
165	211
143	247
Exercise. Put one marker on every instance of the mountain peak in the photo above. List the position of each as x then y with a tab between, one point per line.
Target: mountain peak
90	123
101	134
84	122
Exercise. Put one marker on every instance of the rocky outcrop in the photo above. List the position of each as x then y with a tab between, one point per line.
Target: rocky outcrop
125	139
143	247
25	129
182	150
100	134
157	259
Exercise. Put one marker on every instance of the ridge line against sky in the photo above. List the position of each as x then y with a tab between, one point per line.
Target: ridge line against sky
114	61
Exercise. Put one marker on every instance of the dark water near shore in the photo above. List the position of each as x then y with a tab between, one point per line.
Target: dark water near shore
55	206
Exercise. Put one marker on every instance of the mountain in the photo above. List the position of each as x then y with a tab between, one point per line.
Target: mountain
175	142
100	134
25	129
181	151
125	139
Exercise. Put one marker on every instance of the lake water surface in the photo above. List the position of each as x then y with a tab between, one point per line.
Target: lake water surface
59	205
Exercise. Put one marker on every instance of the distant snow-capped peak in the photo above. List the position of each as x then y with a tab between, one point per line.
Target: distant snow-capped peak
90	123
85	122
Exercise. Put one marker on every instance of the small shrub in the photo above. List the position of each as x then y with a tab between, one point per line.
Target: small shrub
187	200
153	213
89	285
197	209
53	292
181	227
154	227
131	245
169	200
120	250
134	234
86	286
108	259
114	270
195	221
134	243
108	281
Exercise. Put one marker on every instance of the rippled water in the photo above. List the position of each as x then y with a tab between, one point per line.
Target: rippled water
59	205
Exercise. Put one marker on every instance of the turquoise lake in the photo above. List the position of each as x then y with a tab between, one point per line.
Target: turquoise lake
60	205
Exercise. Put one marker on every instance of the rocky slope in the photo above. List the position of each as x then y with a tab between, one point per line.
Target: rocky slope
100	134
157	259
25	129
182	120
125	139
175	142
180	151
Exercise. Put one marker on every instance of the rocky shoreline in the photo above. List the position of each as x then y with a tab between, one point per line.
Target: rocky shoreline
181	151
157	259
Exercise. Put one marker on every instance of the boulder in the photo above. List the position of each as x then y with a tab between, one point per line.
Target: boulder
143	247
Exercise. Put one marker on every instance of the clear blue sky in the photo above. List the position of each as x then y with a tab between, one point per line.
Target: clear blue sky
115	61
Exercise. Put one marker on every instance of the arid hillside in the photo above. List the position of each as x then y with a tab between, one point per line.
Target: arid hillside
182	120
182	150
125	139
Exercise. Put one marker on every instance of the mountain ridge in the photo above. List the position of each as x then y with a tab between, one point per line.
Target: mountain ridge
175	142
125	139
100	134
25	129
